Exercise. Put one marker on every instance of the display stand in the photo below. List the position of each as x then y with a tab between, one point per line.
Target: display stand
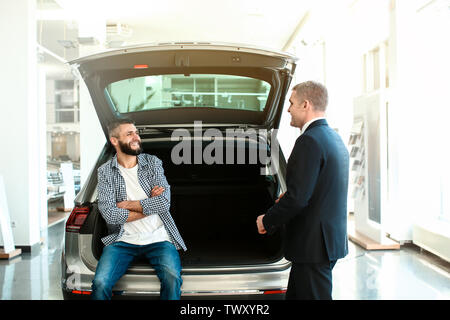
66	169
8	251
9	255
368	243
368	175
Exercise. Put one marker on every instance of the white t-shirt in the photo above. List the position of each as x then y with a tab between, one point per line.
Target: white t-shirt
146	230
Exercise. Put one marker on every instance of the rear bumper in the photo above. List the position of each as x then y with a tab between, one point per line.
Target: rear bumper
254	286
256	295
252	282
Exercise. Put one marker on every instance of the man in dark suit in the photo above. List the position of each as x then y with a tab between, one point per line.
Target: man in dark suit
314	207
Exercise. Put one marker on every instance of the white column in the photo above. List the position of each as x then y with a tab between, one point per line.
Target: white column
21	141
92	138
42	131
404	123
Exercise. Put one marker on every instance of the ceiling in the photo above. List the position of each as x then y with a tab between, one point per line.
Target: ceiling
266	23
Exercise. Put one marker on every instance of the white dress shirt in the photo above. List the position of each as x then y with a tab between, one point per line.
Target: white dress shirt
306	125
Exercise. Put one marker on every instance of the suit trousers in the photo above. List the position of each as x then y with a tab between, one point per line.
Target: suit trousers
310	281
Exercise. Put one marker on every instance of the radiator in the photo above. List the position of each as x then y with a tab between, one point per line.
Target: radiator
433	240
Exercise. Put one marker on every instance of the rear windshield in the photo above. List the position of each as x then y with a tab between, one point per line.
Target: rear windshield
188	91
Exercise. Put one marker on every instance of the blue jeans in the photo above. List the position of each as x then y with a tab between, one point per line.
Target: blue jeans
116	258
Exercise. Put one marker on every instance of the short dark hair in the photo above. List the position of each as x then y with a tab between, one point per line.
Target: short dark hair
313	91
112	126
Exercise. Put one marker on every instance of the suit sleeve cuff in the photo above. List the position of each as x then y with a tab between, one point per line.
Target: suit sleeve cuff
268	223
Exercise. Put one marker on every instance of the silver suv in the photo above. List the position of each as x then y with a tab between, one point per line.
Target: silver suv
210	112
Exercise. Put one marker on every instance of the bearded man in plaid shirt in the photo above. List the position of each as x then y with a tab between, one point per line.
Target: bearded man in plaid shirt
134	200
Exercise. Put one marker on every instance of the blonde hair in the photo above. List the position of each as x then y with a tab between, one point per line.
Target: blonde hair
313	91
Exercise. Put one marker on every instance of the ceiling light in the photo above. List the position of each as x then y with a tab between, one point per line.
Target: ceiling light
88	40
118	29
68	44
116	43
40	57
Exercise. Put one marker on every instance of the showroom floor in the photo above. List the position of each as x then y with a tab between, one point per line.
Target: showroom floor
403	274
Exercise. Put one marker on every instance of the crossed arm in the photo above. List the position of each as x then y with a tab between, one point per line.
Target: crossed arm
118	213
135	208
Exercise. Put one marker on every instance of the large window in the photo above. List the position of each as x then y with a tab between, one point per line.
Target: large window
433	66
66	102
376	68
191	91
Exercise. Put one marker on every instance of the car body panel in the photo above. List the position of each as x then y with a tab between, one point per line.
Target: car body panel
78	262
142	280
101	69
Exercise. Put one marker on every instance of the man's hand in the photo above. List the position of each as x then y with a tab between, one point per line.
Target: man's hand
260	225
281	196
259	220
130	205
133	216
157	191
135	206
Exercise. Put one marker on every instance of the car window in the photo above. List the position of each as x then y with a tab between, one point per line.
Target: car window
188	91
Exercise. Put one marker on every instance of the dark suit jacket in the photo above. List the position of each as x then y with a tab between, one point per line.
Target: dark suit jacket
314	207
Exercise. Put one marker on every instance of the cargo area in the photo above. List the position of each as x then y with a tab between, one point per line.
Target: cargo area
215	208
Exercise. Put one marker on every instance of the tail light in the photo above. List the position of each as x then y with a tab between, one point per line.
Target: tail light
140	66
76	219
275	291
81	292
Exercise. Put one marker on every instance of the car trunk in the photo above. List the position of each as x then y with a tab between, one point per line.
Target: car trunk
163	87
215	207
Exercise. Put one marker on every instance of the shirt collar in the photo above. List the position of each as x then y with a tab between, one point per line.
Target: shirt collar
306	125
141	159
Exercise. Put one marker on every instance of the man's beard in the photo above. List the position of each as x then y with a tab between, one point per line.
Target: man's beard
125	148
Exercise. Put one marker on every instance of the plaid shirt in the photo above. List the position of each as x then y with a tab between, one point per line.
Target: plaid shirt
111	189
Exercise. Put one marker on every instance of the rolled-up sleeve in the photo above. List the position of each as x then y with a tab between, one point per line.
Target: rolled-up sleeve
161	203
107	200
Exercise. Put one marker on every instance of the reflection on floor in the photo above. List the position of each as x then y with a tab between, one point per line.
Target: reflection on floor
408	273
56	213
56	216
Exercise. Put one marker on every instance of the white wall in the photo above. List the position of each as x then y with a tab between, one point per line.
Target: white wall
419	100
50	100
21	142
92	138
73	146
330	47
42	131
422	77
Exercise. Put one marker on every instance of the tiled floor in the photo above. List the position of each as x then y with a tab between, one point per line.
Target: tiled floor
35	276
405	274
367	275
